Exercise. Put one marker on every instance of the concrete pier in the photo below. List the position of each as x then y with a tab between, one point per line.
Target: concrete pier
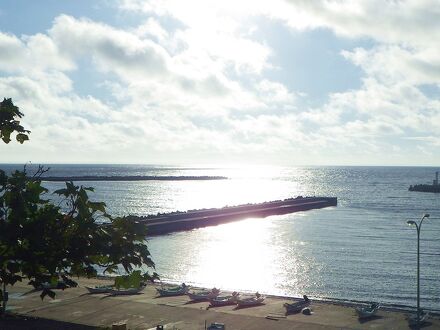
130	178
179	221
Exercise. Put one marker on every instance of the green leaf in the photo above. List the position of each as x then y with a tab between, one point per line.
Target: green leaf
129	281
47	292
22	137
9	123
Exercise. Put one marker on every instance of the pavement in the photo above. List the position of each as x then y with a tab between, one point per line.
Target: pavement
76	308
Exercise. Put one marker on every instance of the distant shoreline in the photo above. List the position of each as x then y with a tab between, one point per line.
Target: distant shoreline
130	178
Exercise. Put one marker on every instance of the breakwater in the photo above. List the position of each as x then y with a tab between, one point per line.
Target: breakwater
179	221
130	178
433	188
425	188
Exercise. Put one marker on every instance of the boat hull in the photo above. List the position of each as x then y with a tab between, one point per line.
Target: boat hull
203	295
96	290
250	302
223	301
171	293
126	292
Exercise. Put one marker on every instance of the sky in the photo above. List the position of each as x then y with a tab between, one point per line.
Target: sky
226	82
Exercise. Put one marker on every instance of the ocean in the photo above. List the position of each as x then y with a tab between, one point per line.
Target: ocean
361	250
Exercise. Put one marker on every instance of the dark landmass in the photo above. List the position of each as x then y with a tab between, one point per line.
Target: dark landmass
432	188
178	221
425	188
130	178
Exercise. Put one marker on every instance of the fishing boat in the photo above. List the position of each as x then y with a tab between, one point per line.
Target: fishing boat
412	320
100	289
126	292
224	300
297	306
203	295
173	291
250	301
366	312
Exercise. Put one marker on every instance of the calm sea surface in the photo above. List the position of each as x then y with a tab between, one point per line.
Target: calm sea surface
360	250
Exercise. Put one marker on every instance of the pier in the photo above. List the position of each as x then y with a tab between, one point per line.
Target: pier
180	221
432	188
130	178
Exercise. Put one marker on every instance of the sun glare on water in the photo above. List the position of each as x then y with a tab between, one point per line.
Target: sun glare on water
245	254
229	249
243	185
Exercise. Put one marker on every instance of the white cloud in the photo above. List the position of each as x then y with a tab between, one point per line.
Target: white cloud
112	50
394	64
31	53
200	90
152	28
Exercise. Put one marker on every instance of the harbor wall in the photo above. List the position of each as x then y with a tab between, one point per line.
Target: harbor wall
167	223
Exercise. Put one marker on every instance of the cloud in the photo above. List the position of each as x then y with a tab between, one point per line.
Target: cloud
111	49
193	81
393	64
31	53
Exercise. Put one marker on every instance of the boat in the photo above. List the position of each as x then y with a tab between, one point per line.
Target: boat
224	300
297	306
412	320
100	289
250	301
203	295
216	326
366	312
173	291
126	292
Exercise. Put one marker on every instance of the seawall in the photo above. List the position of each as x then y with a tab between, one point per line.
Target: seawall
129	178
179	221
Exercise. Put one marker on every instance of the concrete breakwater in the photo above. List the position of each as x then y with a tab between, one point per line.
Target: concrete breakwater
130	178
179	221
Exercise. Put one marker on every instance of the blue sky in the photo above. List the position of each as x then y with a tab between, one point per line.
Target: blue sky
223	82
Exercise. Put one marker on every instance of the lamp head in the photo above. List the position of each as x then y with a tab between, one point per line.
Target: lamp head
426	215
411	223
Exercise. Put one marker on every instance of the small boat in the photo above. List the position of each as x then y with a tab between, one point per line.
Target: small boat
366	312
412	320
216	326
250	301
297	306
126	292
224	300
173	291
203	295
100	289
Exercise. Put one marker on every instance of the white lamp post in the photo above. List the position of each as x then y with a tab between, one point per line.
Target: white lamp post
418	227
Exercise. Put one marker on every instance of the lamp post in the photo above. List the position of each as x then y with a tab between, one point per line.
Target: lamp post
418	227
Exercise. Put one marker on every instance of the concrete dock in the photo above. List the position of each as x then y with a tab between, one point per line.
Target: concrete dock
166	223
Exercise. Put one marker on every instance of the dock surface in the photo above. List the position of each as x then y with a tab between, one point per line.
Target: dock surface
179	221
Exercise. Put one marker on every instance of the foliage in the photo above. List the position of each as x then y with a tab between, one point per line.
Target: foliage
48	243
40	240
9	123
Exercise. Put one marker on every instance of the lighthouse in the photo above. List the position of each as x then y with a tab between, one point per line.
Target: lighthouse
435	182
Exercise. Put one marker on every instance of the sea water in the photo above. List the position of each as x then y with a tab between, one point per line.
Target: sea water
360	250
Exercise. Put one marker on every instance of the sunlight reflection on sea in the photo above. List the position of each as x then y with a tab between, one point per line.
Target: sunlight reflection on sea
359	250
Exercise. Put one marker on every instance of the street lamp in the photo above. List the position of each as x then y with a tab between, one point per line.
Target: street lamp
418	227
